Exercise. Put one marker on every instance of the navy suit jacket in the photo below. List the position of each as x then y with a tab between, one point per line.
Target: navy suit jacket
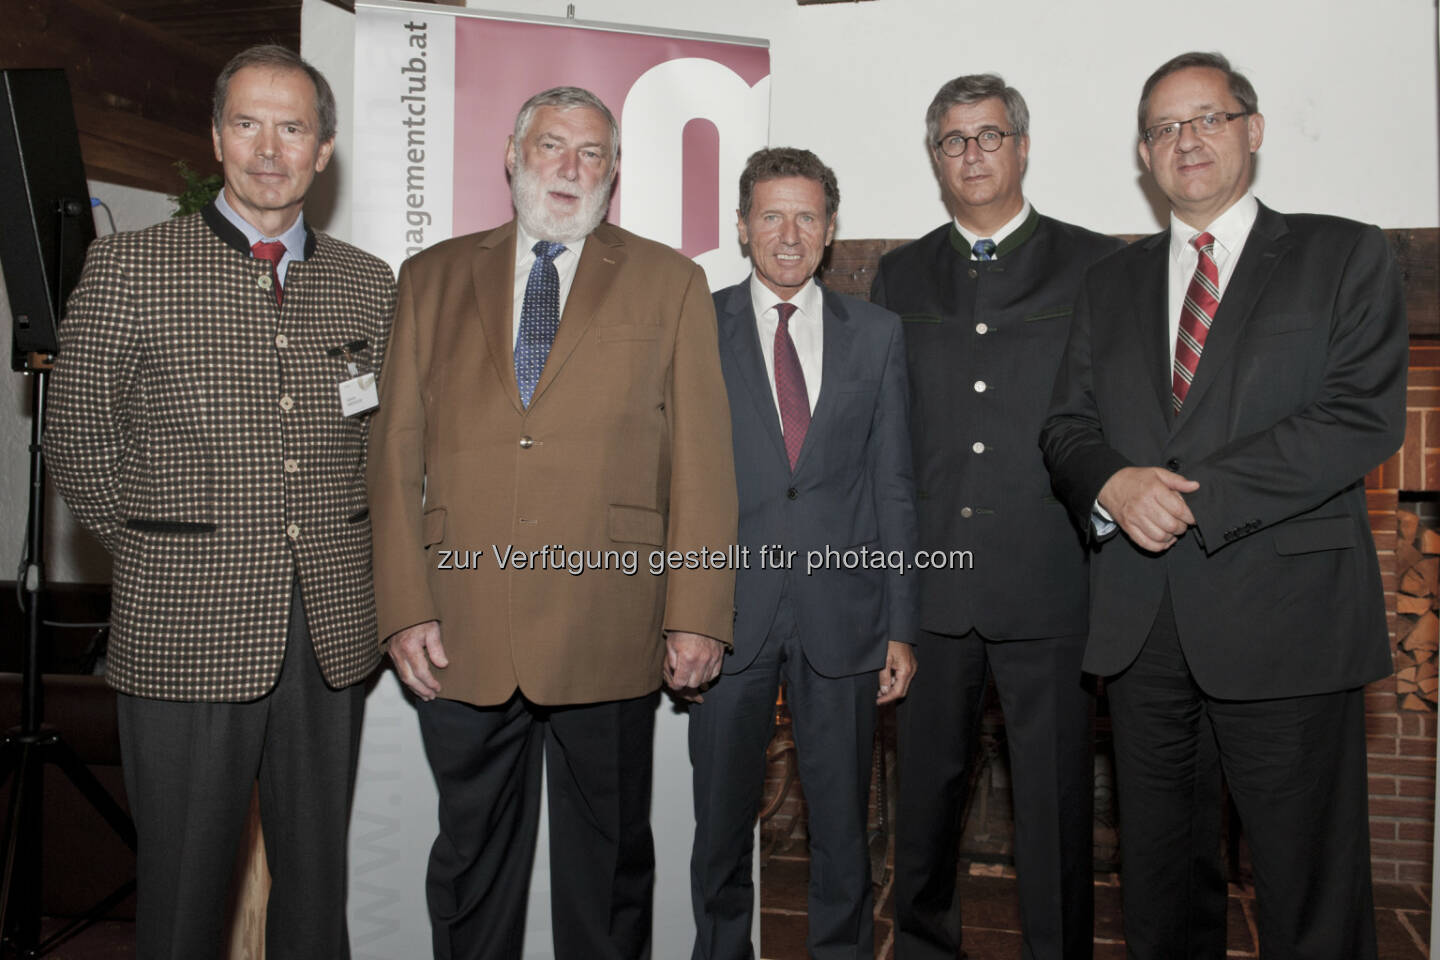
851	493
1299	392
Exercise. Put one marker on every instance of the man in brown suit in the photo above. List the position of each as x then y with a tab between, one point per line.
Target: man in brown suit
195	429
551	466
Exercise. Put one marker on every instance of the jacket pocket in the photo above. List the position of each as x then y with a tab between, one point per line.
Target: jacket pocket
1272	324
636	525
1319	533
168	526
434	521
1050	315
358	515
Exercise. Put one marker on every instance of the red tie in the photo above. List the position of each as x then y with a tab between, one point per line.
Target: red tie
1196	315
272	251
790	387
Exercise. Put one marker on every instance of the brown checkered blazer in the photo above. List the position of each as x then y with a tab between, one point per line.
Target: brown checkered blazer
195	428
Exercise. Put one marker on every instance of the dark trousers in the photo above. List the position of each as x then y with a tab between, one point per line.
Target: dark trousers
1295	767
486	762
834	724
189	771
1048	730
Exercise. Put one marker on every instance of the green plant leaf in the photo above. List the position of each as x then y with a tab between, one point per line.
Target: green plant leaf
198	192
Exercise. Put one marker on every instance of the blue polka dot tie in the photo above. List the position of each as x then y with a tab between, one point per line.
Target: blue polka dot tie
984	249
539	318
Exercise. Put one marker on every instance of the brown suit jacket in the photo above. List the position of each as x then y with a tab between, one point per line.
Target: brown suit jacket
623	452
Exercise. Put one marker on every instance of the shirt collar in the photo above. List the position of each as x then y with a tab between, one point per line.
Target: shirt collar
808	300
525	244
999	235
1229	229
294	238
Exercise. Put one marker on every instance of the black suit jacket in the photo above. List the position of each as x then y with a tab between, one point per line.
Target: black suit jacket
1299	392
851	491
1004	323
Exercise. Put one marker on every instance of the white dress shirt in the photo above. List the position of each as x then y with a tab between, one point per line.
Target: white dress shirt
807	330
999	235
1231	229
565	264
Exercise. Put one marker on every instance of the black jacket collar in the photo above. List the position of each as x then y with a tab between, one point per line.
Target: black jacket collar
231	236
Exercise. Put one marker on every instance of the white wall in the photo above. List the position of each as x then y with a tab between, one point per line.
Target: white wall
851	81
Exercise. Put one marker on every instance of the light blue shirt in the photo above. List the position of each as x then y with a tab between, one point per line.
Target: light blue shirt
294	238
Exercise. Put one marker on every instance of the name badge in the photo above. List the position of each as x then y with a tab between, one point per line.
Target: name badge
358	394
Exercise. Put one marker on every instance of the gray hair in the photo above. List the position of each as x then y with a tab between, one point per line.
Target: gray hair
1240	86
973	88
567	98
276	57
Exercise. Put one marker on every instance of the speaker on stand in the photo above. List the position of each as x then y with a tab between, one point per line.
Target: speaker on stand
45	209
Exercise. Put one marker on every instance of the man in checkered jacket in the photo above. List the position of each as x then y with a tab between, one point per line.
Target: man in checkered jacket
199	429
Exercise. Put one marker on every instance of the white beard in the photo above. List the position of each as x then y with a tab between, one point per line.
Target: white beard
527	193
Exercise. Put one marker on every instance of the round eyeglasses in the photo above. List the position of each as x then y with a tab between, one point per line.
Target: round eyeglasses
954	145
1207	125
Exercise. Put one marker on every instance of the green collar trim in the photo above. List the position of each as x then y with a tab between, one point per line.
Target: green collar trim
1007	246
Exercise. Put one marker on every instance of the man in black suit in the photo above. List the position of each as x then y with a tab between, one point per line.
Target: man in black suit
827	521
1239	614
987	300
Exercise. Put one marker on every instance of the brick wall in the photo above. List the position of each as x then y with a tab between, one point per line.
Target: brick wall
1402	741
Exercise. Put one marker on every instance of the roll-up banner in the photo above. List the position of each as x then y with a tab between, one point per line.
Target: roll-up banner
436	93
437	90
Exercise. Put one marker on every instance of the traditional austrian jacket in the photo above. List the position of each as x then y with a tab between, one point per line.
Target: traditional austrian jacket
195	429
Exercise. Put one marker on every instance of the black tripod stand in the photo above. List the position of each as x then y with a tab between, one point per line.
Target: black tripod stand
28	748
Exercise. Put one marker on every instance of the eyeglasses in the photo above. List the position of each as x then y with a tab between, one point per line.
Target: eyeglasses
987	140
1207	125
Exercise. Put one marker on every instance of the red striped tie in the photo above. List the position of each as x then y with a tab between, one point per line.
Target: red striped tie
1196	315
790	393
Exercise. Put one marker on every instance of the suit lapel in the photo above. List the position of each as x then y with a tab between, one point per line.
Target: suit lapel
600	263
1263	249
493	275
1152	299
836	346
740	335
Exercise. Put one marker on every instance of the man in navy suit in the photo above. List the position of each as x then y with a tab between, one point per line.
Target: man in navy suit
1227	385
818	407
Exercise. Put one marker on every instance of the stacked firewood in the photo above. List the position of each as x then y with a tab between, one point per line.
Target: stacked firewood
1417	628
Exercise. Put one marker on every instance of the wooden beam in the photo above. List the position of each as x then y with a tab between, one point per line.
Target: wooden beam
1418	252
138	152
142	97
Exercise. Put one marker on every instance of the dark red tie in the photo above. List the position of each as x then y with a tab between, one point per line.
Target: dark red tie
1196	315
790	387
272	251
